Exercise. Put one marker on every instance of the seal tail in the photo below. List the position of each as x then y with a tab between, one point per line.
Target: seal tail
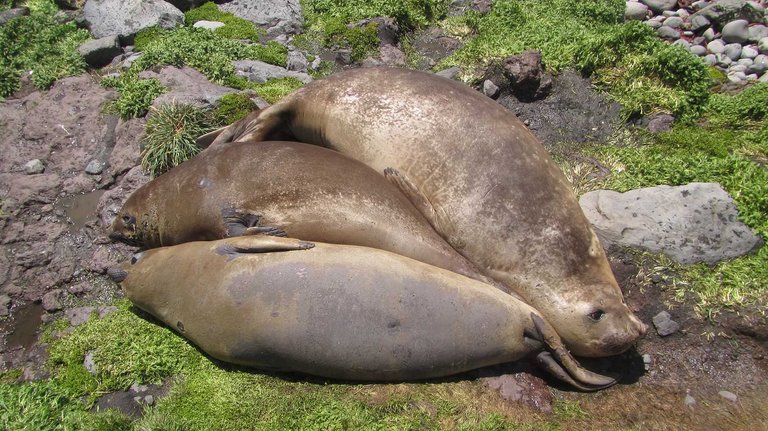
558	361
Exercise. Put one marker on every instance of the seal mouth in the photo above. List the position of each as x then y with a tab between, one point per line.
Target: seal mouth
121	237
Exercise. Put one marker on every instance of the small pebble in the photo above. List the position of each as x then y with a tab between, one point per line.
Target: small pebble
689	401
668	32
716	47
490	89
733	51
35	166
709	34
698	50
730	396
664	324
95	167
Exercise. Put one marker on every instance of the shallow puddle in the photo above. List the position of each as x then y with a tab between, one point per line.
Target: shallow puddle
22	326
80	208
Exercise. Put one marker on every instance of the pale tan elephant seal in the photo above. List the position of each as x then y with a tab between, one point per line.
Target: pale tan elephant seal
338	311
288	188
484	182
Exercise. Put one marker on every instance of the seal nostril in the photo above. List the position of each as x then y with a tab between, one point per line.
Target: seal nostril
116	236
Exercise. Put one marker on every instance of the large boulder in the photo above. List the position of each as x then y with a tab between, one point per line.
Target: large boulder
126	18
261	72
724	11
277	16
186	85
697	222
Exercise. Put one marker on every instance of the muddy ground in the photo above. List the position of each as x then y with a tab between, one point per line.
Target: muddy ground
54	253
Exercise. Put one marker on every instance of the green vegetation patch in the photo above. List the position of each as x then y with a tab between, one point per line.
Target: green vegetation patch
627	60
136	95
234	27
330	21
170	137
37	43
232	107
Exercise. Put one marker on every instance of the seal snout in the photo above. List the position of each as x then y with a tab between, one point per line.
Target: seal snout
117	274
116	236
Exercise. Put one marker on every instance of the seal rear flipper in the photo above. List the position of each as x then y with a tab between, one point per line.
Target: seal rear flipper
232	247
237	223
204	141
556	350
436	216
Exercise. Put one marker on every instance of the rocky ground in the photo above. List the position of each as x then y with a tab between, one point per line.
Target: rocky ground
67	166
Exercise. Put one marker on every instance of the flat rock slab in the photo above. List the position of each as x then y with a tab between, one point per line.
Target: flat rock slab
697	222
186	85
277	16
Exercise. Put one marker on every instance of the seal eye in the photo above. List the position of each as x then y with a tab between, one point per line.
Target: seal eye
129	219
596	315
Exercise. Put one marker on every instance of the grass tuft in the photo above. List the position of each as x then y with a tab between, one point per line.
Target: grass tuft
234	27
232	107
170	136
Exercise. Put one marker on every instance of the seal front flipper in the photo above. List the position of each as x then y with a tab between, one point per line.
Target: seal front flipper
233	247
436	216
237	223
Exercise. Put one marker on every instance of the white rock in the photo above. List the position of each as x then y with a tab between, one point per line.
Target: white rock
748	52
716	47
635	11
730	396
35	166
709	34
208	25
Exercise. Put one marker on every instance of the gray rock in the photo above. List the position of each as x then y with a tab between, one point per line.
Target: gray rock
138	389
752	77
746	61
709	34
716	47
730	396
258	71
664	324
35	166
5	303
723	11
697	222
392	56
490	89
762	58
757	68
736	31
100	52
683	43
129	59
748	52
710	59
764	78
186	85
635	11
666	32
51	301
699	5
660	6
762	46
660	123
297	62
699	23
277	16
78	315
733	51
449	73
736	77
149	400
698	50
737	68
208	25
723	60
647	361
185	5
10	14
757	32
682	13
674	22
653	24
89	364
95	167
126	17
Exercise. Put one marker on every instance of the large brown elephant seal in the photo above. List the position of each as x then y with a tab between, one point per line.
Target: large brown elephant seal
338	311
484	182
289	188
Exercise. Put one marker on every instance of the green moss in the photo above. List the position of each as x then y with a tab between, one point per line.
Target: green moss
234	27
136	95
147	35
170	136
628	60
39	44
275	89
232	107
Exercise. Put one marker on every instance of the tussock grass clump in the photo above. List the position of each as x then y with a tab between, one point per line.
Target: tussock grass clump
136	95
234	27
232	107
170	136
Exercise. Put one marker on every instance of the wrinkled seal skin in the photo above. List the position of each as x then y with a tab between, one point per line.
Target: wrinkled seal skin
337	311
480	177
289	188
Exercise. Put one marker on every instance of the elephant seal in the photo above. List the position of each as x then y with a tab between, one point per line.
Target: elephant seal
338	311
301	190
481	178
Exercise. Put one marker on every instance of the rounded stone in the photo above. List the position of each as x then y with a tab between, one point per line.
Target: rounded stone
716	47
710	59
762	46
736	31
635	11
667	32
736	77
752	77
723	60
709	34
698	50
35	166
757	68
737	68
699	23
652	24
660	6
674	22
683	43
762	58
208	25
748	52
757	32
733	51
95	167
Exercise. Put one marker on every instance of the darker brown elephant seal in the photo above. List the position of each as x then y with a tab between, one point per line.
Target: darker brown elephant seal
338	311
289	188
484	182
